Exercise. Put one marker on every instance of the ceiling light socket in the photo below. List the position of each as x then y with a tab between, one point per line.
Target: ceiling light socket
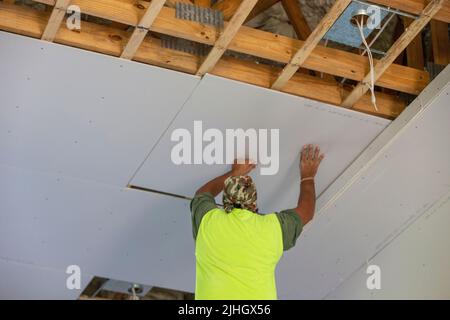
359	16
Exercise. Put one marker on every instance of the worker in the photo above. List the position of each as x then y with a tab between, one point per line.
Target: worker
237	249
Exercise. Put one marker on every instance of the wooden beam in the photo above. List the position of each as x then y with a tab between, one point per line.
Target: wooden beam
140	31
226	37
414	51
229	7
313	40
259	43
440	42
397	48
416	7
297	19
261	6
107	40
203	3
54	22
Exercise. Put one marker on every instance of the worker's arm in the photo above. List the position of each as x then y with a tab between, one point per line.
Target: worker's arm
215	186
309	163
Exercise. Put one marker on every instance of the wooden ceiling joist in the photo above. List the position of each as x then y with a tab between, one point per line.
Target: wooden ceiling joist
308	46
397	48
140	31
54	22
108	40
226	36
259	43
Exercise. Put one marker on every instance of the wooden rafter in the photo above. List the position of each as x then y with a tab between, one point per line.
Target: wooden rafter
54	22
297	19
108	40
397	48
227	36
414	51
416	7
229	7
261	6
258	43
440	42
140	31
313	40
203	3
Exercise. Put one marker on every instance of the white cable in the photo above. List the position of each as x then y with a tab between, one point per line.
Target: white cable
369	54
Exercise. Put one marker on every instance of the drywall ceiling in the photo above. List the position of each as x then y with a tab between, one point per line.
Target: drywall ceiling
56	221
79	113
414	266
225	104
408	174
21	281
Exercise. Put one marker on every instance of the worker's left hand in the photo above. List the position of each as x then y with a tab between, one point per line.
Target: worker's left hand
242	169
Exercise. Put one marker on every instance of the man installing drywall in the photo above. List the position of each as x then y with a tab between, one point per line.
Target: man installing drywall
237	249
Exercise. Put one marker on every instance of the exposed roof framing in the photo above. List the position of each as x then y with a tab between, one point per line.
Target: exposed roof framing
57	16
416	7
229	7
222	43
440	42
414	51
260	44
410	33
297	19
109	40
311	42
141	29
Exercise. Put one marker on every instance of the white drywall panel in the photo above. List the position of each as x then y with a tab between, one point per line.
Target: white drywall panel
225	104
404	180
416	265
19	281
56	221
79	113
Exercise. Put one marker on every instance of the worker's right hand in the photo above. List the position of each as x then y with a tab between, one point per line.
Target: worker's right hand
242	169
310	159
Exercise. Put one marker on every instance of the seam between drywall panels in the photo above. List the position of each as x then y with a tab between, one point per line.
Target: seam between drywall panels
382	142
164	132
441	201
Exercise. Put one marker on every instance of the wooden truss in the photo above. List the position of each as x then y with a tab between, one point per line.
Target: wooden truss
159	17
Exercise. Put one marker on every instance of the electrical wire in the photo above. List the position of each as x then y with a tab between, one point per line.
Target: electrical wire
371	86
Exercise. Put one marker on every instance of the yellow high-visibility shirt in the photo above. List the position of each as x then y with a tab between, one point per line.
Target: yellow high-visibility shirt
237	252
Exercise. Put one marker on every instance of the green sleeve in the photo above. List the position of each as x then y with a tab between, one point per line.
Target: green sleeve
291	227
200	205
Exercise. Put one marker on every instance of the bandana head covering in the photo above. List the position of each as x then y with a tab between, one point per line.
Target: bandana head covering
239	192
